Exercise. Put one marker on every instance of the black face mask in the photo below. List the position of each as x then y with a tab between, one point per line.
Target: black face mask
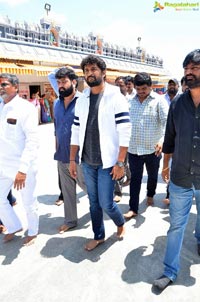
63	92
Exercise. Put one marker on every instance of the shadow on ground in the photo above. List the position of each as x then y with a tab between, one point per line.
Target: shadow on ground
142	266
67	247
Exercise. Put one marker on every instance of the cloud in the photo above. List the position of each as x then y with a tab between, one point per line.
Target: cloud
14	2
59	18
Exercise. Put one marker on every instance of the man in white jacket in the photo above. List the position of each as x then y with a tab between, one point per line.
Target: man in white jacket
18	157
101	133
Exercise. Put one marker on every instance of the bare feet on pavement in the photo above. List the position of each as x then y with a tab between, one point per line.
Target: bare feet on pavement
120	232
117	198
92	244
64	228
150	201
130	214
9	237
2	228
166	201
59	202
29	240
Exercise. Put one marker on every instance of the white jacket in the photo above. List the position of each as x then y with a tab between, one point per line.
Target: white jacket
18	136
113	121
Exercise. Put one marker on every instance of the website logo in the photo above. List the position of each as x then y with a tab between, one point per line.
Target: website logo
178	6
157	6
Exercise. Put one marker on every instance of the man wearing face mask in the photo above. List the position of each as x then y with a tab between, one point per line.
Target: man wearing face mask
64	82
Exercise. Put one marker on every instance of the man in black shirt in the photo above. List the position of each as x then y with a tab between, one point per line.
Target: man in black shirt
182	142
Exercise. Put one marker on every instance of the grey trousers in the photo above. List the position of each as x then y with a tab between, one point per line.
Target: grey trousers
68	186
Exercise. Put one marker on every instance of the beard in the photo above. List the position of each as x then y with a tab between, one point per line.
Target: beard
65	92
192	81
3	95
94	82
172	91
6	97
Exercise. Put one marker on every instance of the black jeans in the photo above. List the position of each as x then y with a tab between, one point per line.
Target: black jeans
136	164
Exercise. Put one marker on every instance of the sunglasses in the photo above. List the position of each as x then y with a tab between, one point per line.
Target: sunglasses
4	84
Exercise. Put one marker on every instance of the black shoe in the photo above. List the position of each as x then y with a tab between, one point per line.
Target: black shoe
162	282
198	248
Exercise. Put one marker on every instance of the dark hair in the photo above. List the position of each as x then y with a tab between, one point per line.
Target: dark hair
12	78
92	59
65	72
142	78
120	78
192	57
182	80
129	79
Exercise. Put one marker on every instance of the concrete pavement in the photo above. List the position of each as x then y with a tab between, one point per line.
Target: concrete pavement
57	268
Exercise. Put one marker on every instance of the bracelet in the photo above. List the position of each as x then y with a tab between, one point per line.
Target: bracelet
165	169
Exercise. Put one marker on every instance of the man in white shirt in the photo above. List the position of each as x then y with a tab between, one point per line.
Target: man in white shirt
18	157
101	133
131	92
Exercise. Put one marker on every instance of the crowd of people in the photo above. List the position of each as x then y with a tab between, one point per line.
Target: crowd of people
43	105
138	126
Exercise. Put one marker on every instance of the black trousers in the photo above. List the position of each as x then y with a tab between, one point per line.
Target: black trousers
136	164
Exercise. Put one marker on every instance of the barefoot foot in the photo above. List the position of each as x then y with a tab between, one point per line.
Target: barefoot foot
64	228
29	240
120	232
59	202
2	228
9	237
150	201
92	244
130	214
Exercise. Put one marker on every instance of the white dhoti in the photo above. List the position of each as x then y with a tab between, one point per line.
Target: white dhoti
29	199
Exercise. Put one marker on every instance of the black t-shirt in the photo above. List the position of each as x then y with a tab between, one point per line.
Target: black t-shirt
91	148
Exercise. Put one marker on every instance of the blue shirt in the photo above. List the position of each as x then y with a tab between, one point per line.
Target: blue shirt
63	120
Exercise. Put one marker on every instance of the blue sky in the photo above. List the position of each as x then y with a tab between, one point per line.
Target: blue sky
169	33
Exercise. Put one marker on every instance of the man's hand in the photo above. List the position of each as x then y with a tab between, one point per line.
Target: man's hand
117	172
166	167
165	175
19	182
72	169
158	148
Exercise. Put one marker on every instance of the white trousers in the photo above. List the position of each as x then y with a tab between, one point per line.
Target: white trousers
29	199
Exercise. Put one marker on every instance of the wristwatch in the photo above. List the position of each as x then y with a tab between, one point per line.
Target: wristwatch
120	164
